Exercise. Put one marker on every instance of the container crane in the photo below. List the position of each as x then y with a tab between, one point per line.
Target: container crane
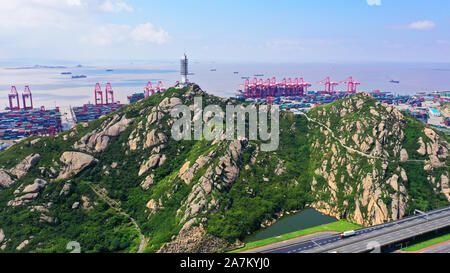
27	96
329	85
352	85
13	95
149	89
98	95
160	87
109	94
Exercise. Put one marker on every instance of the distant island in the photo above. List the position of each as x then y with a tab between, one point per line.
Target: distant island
39	67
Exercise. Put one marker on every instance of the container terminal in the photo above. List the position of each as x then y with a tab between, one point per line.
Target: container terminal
19	122
292	95
104	104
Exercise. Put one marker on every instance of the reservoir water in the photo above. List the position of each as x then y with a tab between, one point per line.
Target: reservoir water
303	220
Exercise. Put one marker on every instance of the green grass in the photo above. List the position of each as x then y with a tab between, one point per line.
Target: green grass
340	226
428	243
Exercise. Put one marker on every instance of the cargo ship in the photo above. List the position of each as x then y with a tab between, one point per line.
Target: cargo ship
79	77
136	97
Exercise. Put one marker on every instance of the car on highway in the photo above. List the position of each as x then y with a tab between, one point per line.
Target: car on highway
348	234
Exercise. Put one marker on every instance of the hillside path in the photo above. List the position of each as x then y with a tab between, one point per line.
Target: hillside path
350	149
116	206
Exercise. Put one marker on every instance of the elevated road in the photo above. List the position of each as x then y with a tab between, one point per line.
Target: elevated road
368	239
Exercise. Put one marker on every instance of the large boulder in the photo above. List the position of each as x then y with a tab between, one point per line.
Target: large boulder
23	245
37	186
149	181
98	140
2	235
75	163
25	165
150	164
29	193
5	180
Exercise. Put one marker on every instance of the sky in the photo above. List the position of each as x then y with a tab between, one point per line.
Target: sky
269	31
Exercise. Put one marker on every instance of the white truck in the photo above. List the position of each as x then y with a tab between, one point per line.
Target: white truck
348	234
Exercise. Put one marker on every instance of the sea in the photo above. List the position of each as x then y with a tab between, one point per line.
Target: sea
51	88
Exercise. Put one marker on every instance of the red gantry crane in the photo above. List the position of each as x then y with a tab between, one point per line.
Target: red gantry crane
304	85
109	94
27	96
13	95
98	95
329	85
160	87
352	85
149	89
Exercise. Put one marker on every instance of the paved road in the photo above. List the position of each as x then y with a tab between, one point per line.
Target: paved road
383	233
291	242
441	248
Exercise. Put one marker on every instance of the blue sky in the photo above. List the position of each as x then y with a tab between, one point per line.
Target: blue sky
220	30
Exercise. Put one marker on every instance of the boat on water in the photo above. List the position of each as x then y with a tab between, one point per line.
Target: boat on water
66	73
259	75
79	77
213	70
109	70
393	81
236	73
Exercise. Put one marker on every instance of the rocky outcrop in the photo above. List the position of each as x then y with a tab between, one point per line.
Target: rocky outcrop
403	155
98	140
370	143
187	173
23	167
22	245
435	150
149	181
29	194
66	189
154	138
152	163
215	178
445	186
194	239
37	186
152	205
2	235
5	180
167	104
74	162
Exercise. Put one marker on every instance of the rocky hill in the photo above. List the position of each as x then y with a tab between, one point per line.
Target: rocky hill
123	184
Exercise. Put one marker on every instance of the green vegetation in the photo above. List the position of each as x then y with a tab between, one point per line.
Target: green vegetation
266	183
422	245
340	226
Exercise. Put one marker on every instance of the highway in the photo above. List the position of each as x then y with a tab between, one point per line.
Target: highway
384	235
441	248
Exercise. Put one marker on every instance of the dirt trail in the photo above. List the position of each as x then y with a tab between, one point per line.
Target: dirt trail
116	206
350	149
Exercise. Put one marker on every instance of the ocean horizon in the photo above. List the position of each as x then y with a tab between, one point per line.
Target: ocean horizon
50	88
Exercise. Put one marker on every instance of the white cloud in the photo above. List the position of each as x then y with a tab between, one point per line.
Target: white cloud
374	2
34	14
422	25
113	34
115	6
148	34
